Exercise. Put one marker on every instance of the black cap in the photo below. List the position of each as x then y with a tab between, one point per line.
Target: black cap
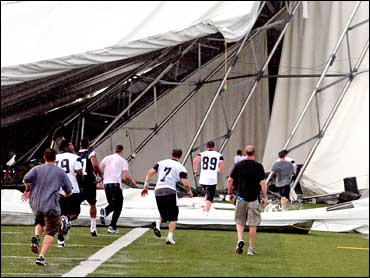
119	148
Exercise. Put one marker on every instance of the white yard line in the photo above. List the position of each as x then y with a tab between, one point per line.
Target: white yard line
26	274
93	262
69	245
33	257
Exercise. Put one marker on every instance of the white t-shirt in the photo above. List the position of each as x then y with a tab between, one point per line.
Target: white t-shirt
238	158
169	173
209	164
112	166
70	163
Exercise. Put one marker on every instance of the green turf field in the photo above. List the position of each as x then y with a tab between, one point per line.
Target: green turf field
196	253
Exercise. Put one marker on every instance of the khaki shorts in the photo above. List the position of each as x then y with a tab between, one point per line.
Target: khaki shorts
49	221
247	213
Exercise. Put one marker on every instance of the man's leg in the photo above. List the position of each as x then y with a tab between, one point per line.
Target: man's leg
171	231
240	220
208	206
93	218
108	188
252	236
117	204
48	240
52	226
38	230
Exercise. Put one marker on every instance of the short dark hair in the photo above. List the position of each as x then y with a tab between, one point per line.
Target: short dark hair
250	150
210	144
177	153
239	152
85	143
63	145
50	155
119	148
283	153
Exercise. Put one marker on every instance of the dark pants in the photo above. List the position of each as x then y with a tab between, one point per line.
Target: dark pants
114	195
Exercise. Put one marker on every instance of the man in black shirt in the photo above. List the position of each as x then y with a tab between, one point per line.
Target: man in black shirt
90	168
247	178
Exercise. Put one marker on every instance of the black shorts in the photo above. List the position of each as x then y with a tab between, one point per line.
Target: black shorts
71	204
284	191
88	193
210	191
167	206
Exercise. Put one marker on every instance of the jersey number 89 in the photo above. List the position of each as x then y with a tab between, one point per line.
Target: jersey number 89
209	163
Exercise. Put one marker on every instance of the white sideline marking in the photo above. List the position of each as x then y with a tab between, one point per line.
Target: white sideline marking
94	261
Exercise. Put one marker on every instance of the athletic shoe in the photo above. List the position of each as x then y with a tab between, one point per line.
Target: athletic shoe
103	216
170	240
239	247
41	261
60	244
251	251
66	225
94	233
156	231
35	244
111	230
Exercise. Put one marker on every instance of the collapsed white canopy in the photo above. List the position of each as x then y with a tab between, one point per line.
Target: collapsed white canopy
44	38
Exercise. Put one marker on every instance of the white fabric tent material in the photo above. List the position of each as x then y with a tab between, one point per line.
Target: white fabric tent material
45	38
307	47
344	150
139	211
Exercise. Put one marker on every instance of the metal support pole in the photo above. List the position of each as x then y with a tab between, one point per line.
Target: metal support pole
220	87
199	61
119	116
328	65
256	81
317	86
155	105
83	127
175	110
331	116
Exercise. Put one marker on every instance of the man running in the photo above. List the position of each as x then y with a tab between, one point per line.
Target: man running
212	162
70	205
90	168
170	171
43	183
114	167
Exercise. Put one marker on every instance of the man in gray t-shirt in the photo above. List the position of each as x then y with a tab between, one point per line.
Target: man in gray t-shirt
284	171
42	189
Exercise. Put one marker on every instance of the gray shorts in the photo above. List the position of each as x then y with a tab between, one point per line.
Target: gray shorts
247	213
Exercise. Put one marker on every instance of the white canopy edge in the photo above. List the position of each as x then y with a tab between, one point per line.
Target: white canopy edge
40	39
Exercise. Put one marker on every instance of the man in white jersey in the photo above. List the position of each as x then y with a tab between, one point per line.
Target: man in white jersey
90	168
71	164
211	162
170	171
114	167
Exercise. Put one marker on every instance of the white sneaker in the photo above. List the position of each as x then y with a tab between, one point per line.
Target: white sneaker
111	230
60	244
169	240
